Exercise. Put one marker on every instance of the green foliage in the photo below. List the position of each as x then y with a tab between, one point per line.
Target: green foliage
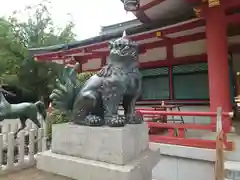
39	78
9	79
83	77
11	53
56	117
17	68
15	39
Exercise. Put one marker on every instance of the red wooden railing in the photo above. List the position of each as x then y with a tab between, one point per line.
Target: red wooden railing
180	139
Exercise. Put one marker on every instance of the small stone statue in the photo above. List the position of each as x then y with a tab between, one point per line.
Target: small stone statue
96	102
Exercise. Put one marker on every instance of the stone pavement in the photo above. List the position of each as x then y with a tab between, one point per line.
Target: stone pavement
32	174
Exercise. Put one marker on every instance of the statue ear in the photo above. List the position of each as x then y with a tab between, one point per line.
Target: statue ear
110	44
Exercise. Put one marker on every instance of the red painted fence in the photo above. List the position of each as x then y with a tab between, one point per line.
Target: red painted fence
176	131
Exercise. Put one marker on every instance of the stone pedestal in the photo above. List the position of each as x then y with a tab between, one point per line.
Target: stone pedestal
100	153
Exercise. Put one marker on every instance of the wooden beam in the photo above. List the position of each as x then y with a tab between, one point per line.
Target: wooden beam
141	15
232	19
194	2
135	37
151	4
228	4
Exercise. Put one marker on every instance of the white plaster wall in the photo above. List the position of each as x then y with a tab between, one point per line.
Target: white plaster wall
153	55
197	47
189	48
92	64
180	50
58	61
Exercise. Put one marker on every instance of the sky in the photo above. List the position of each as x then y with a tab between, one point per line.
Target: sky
88	15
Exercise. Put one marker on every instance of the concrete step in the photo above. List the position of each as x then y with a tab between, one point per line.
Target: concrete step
231	137
232	170
235	154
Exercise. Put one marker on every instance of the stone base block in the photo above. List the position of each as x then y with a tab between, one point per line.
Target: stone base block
105	144
83	169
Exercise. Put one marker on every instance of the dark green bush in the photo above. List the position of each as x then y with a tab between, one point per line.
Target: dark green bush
58	117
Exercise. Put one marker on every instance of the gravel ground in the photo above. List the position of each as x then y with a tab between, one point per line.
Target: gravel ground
32	174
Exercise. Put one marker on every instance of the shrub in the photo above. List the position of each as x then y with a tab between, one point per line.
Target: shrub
58	117
83	77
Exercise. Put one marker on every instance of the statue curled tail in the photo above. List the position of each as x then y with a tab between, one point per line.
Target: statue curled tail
41	109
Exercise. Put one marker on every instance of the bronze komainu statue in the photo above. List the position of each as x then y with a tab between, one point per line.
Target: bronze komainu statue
96	102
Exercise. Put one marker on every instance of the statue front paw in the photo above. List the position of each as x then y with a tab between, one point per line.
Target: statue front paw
115	121
93	120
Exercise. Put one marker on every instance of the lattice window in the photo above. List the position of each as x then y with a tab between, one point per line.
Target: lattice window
191	81
155	83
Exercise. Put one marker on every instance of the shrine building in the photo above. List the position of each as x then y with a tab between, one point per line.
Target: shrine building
189	52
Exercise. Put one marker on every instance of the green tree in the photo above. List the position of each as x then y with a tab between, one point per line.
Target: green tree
83	77
37	31
10	51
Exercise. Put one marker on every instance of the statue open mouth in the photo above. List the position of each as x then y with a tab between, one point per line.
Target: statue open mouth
123	47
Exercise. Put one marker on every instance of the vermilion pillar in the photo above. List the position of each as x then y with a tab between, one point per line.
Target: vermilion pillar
218	72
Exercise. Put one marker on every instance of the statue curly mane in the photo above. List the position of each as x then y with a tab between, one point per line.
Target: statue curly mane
110	70
122	59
